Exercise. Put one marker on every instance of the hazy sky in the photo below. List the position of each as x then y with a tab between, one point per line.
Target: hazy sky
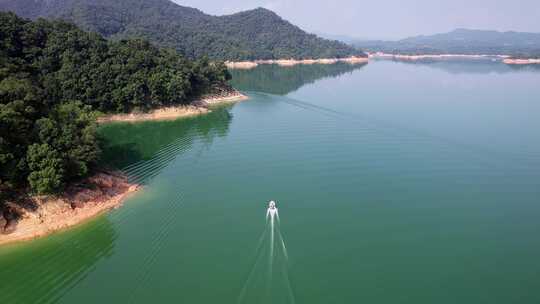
390	19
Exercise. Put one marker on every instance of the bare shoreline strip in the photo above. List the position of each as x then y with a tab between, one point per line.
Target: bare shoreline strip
101	193
434	56
507	59
172	113
292	62
520	61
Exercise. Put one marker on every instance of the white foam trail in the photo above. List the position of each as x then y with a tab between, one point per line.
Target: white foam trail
256	262
272	237
284	248
272	271
252	271
290	292
271	243
289	287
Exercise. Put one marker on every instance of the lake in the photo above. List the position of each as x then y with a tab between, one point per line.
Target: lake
395	183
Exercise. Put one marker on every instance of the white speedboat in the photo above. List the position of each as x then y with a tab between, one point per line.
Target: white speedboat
272	209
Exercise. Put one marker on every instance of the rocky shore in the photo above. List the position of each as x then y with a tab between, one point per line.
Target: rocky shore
293	62
198	107
36	216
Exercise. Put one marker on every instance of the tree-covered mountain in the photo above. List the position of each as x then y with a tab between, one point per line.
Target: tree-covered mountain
461	41
254	34
54	76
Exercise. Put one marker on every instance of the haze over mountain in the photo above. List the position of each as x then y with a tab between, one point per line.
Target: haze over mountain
390	19
248	35
461	41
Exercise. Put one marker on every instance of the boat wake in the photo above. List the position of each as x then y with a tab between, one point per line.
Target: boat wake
268	280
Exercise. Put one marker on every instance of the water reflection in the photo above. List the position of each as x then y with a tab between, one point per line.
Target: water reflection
143	149
472	66
44	270
278	80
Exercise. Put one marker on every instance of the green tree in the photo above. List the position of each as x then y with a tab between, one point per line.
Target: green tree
47	172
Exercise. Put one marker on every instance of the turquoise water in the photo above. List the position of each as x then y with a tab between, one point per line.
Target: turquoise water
395	183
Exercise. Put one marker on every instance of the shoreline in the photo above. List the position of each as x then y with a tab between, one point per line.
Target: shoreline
381	55
246	65
521	61
175	112
40	216
507	59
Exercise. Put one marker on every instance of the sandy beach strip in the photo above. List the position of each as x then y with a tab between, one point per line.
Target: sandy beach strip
292	62
176	112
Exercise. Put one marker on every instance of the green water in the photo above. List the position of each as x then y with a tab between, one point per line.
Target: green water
395	183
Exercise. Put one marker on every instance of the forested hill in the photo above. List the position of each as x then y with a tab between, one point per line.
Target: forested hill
54	76
254	34
462	41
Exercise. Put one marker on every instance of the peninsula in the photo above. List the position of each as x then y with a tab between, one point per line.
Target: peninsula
56	79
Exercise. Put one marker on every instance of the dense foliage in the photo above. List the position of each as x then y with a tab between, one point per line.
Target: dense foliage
255	34
462	41
53	76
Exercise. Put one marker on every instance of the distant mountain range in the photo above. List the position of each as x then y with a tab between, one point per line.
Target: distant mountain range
248	35
461	41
